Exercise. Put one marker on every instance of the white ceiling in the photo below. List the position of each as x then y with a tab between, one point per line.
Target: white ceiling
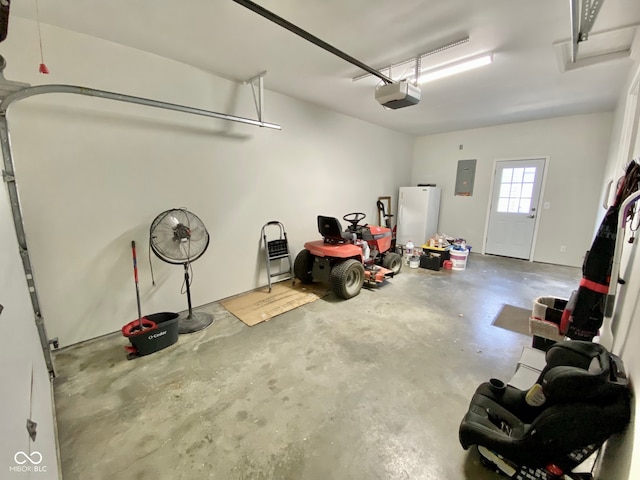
525	81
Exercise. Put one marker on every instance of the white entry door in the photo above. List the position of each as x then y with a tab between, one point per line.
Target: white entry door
514	207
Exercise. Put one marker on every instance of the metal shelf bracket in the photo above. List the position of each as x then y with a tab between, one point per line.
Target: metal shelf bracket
258	99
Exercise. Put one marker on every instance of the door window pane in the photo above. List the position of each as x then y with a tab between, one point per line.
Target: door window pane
529	175
525	204
518	173
516	190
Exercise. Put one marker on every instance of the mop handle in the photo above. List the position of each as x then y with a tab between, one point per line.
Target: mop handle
135	277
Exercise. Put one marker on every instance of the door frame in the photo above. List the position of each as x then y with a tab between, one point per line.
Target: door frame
547	160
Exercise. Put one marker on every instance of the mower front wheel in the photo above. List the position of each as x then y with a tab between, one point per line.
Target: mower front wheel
302	266
347	278
392	261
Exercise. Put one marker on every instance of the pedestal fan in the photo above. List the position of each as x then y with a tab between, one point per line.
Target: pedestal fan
178	236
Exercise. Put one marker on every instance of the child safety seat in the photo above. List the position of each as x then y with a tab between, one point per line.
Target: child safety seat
581	398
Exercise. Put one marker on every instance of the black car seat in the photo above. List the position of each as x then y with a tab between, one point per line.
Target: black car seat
331	230
581	398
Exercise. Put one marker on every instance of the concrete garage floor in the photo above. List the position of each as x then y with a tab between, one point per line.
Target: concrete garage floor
369	388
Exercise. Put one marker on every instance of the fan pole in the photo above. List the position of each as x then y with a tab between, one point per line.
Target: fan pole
194	321
186	282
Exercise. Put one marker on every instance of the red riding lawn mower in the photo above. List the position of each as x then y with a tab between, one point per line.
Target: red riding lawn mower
347	258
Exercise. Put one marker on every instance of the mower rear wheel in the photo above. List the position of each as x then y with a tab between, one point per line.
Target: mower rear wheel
392	261
347	278
303	265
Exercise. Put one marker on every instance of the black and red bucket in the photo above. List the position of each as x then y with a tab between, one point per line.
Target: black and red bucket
159	330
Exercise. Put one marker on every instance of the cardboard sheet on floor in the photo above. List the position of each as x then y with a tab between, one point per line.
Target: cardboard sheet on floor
259	305
513	318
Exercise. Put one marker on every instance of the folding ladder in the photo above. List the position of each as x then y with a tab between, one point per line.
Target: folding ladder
277	249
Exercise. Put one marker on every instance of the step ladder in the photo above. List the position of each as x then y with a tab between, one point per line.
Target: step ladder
277	249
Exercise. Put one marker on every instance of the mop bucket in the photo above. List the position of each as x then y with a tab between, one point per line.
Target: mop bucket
458	258
150	340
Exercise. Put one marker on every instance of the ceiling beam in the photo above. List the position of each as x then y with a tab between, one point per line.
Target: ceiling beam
311	38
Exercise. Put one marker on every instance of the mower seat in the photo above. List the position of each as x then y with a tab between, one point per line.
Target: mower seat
581	398
331	230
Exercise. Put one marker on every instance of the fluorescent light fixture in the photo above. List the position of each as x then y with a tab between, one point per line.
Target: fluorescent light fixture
455	68
411	61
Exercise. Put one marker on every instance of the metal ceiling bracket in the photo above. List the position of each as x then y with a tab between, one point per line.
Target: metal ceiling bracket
582	20
574	16
590	10
259	99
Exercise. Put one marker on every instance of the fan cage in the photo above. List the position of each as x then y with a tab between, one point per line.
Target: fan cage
192	222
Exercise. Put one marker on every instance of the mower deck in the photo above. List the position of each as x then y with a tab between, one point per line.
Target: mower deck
376	273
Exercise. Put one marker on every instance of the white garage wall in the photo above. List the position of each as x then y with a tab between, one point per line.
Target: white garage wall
577	147
93	175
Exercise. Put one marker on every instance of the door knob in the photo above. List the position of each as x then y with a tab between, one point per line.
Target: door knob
531	216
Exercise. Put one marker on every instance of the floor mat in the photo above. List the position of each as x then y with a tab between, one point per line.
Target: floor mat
513	318
260	305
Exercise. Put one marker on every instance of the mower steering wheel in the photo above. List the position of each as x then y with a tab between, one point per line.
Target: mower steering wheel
354	218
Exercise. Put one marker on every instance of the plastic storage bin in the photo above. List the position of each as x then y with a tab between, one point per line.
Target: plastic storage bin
430	262
544	323
441	253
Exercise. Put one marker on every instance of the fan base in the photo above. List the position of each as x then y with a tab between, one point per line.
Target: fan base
195	322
